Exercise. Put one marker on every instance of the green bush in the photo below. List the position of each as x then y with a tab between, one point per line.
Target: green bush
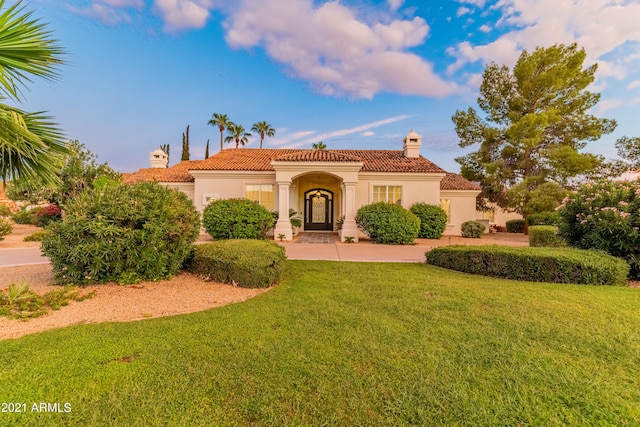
605	216
6	227
388	223
35	237
24	216
472	229
555	265
246	263
545	236
433	220
5	210
515	226
237	219
123	233
543	218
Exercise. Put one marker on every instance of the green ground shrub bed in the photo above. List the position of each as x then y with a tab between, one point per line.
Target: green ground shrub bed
553	265
243	262
545	236
123	233
388	223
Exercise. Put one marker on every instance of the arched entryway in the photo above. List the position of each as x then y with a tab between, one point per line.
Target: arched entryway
318	209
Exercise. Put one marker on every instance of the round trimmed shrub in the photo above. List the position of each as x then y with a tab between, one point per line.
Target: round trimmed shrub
472	229
6	227
515	226
543	218
122	233
237	219
387	223
243	262
605	216
433	220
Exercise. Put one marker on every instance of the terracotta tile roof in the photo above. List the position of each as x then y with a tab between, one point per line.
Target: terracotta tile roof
176	173
317	156
453	181
252	159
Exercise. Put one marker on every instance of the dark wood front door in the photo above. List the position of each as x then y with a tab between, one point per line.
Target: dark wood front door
318	209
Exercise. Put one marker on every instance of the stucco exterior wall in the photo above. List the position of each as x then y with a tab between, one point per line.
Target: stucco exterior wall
462	209
415	188
226	185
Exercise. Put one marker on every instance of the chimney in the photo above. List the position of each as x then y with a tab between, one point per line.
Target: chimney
159	159
411	144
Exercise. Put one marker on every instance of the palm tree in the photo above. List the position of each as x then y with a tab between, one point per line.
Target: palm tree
31	145
263	128
319	146
222	121
237	134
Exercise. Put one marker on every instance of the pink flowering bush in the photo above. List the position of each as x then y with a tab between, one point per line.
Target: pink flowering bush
604	216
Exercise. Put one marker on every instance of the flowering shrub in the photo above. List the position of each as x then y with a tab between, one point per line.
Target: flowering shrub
6	227
604	216
47	214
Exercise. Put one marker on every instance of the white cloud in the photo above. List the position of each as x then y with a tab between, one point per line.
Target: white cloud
334	51
611	104
462	11
479	3
183	14
633	85
368	133
108	12
485	28
364	129
395	4
546	22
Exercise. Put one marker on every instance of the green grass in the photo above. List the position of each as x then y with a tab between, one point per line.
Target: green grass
349	344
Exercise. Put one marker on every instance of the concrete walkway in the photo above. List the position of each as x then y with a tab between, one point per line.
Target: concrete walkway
321	246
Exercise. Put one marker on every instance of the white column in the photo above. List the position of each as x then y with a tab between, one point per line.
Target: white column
283	226
349	227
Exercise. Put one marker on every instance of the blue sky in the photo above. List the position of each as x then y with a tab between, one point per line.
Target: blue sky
355	74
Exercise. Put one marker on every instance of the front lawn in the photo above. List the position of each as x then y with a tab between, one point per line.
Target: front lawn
341	343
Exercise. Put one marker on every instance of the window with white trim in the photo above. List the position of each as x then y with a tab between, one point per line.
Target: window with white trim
445	204
263	194
387	193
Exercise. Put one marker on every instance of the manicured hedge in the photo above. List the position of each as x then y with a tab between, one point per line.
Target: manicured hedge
515	226
243	262
545	236
555	265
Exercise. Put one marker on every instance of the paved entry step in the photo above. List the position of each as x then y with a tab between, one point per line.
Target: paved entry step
323	238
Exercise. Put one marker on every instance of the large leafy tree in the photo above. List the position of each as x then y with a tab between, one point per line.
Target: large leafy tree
263	129
238	134
535	123
222	121
30	143
78	170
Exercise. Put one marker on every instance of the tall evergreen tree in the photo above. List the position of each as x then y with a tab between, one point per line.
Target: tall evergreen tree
185	145
206	150
165	148
535	123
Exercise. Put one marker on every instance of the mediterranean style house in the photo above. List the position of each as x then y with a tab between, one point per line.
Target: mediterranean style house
325	186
